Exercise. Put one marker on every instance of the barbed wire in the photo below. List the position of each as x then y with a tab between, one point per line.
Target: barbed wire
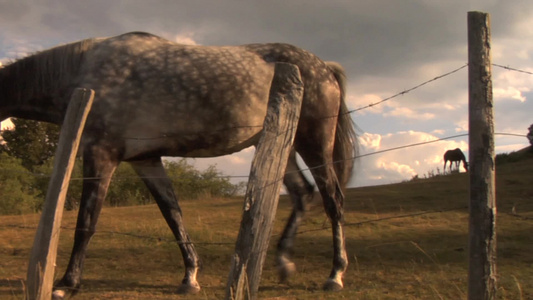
401	93
519	216
291	172
512	69
233	243
361	223
168	136
348	224
129	234
313	167
172	240
407	90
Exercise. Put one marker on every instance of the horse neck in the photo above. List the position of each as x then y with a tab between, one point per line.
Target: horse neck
38	87
39	105
35	106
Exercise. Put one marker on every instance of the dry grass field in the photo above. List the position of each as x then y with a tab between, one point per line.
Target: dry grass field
405	241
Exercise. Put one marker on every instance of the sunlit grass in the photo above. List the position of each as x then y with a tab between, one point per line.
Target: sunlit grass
422	255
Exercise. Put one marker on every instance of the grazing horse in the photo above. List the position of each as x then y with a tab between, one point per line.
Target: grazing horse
455	156
156	98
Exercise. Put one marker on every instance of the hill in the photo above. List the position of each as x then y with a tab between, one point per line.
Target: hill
405	241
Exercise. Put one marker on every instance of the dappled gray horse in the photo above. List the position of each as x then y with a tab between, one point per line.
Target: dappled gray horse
156	98
455	156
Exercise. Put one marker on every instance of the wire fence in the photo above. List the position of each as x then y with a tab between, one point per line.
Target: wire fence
321	228
401	93
356	157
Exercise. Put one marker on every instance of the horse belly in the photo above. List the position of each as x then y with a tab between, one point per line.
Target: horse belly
225	126
197	139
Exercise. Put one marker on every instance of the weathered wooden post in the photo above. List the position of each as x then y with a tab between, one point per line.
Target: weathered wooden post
482	224
43	255
266	174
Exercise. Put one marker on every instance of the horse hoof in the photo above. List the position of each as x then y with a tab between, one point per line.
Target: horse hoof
286	270
188	289
332	286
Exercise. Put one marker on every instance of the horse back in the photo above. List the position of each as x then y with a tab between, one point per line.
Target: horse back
164	98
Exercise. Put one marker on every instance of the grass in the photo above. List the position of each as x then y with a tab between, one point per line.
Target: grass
417	251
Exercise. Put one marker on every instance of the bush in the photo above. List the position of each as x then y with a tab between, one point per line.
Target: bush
24	192
17	191
30	147
190	183
42	179
127	188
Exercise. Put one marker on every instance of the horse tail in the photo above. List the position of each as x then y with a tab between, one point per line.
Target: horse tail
346	146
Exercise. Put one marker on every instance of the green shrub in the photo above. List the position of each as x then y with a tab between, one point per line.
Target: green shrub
17	190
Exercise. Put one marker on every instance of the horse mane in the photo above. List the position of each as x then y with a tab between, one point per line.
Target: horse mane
43	72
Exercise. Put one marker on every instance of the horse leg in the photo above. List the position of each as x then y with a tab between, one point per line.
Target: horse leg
98	167
154	176
300	191
333	199
319	158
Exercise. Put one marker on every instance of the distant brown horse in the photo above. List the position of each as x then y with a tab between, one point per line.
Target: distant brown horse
455	156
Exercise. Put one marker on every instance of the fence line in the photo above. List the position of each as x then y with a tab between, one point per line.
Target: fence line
512	69
303	169
349	112
232	243
163	239
301	232
172	240
406	91
164	136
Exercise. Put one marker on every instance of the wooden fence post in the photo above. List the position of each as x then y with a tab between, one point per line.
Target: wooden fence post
482	223
266	174
43	255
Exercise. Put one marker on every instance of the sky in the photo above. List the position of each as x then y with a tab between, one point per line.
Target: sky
386	47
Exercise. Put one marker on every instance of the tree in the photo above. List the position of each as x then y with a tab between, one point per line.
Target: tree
30	141
17	191
190	183
32	144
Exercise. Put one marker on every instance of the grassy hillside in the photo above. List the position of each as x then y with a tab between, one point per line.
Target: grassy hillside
405	241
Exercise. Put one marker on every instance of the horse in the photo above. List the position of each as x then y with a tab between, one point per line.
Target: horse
156	98
455	156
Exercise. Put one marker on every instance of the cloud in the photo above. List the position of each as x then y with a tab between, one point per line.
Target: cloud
386	47
407	113
370	141
438	132
509	93
359	102
509	85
